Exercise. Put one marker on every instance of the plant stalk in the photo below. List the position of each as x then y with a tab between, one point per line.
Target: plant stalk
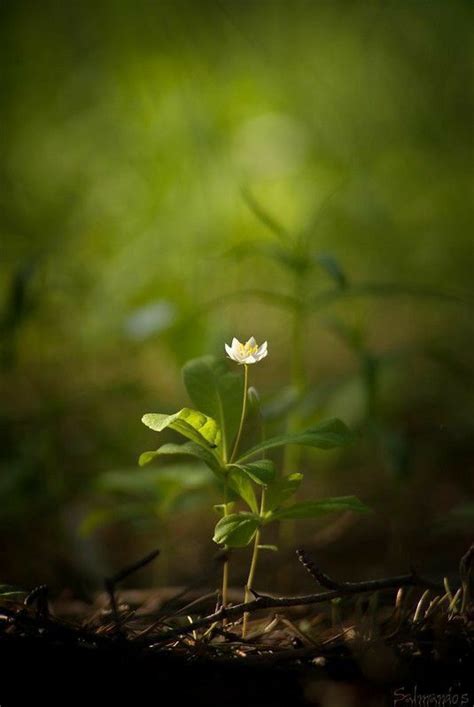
225	569
253	566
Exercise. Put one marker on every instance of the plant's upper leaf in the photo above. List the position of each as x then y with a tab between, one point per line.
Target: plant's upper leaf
195	425
190	449
326	435
217	392
314	509
236	530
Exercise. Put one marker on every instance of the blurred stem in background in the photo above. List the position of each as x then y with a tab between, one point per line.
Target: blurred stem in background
299	381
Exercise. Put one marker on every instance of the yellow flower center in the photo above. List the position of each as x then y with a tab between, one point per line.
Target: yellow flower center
247	350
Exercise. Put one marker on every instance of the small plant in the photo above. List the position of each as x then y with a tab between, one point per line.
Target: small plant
214	436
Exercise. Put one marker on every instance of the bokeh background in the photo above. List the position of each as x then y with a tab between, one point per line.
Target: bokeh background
177	173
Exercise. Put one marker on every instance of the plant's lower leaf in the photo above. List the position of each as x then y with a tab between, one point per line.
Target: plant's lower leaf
236	530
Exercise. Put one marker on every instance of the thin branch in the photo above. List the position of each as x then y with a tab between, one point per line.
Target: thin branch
347	587
131	569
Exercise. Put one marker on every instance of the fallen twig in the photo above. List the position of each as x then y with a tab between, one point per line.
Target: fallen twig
268	602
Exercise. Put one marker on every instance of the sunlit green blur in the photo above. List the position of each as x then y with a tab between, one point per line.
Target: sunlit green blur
159	162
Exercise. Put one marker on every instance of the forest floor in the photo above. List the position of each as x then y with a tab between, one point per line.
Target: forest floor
392	641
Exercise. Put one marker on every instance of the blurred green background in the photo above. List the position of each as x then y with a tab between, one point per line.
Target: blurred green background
177	173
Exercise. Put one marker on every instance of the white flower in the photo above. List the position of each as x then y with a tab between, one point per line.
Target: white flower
249	352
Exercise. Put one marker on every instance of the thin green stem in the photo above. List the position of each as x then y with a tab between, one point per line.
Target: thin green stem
242	417
253	565
225	568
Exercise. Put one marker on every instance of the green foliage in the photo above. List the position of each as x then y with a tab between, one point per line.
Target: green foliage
215	390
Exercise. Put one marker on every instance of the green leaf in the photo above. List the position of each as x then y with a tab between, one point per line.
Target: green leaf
190	449
240	483
327	435
195	425
236	530
217	392
271	548
282	490
261	472
314	509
